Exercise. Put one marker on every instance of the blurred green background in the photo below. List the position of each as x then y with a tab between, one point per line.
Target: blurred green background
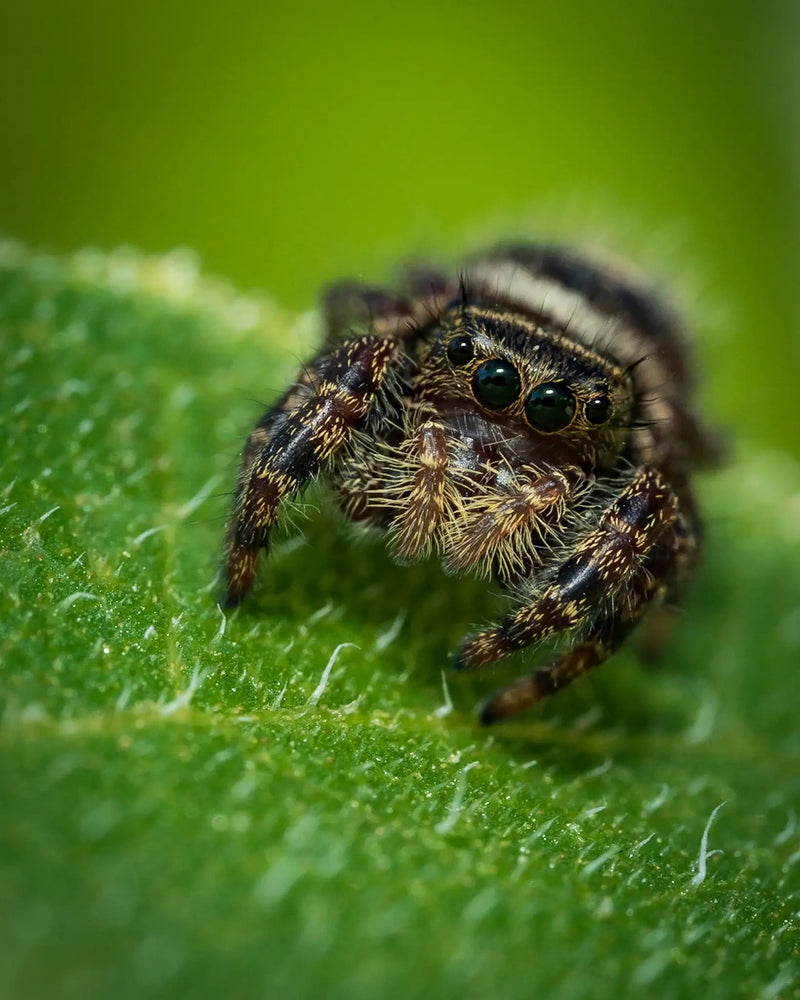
149	848
292	143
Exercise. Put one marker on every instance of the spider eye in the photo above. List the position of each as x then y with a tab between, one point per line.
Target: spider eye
460	350
598	410
550	407
496	384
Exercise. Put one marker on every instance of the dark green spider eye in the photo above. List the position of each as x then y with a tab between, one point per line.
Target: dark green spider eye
460	350
598	410
496	384
550	407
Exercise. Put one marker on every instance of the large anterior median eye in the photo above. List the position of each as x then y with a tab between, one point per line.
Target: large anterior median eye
550	407
496	384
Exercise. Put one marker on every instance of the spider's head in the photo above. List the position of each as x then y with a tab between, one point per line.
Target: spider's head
515	370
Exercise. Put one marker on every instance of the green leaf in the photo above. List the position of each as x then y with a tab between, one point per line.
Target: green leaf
281	801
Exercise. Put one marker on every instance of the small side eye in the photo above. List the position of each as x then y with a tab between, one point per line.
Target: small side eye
598	410
550	407
496	384
460	350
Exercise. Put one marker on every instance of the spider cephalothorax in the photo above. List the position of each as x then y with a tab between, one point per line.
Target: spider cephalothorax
526	418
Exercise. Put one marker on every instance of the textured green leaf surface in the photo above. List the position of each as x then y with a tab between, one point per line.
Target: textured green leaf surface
195	805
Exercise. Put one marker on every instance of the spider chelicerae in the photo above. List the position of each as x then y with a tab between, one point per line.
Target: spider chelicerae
528	418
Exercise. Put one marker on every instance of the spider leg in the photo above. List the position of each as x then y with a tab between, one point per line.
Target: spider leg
602	640
349	306
498	525
601	562
685	542
416	523
292	442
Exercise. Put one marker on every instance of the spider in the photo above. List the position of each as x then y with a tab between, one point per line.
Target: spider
526	417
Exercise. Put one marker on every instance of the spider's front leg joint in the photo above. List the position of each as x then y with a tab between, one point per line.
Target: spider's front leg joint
292	442
600	563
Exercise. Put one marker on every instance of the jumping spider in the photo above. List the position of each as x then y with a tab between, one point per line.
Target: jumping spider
527	418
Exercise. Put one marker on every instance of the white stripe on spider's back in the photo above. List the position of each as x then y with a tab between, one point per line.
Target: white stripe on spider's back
515	284
512	284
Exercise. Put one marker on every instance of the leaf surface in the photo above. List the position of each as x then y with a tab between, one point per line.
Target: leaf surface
293	800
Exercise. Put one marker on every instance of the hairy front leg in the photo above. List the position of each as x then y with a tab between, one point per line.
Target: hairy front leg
647	590
293	441
600	563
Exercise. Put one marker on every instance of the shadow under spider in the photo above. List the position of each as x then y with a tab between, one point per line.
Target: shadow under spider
327	562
